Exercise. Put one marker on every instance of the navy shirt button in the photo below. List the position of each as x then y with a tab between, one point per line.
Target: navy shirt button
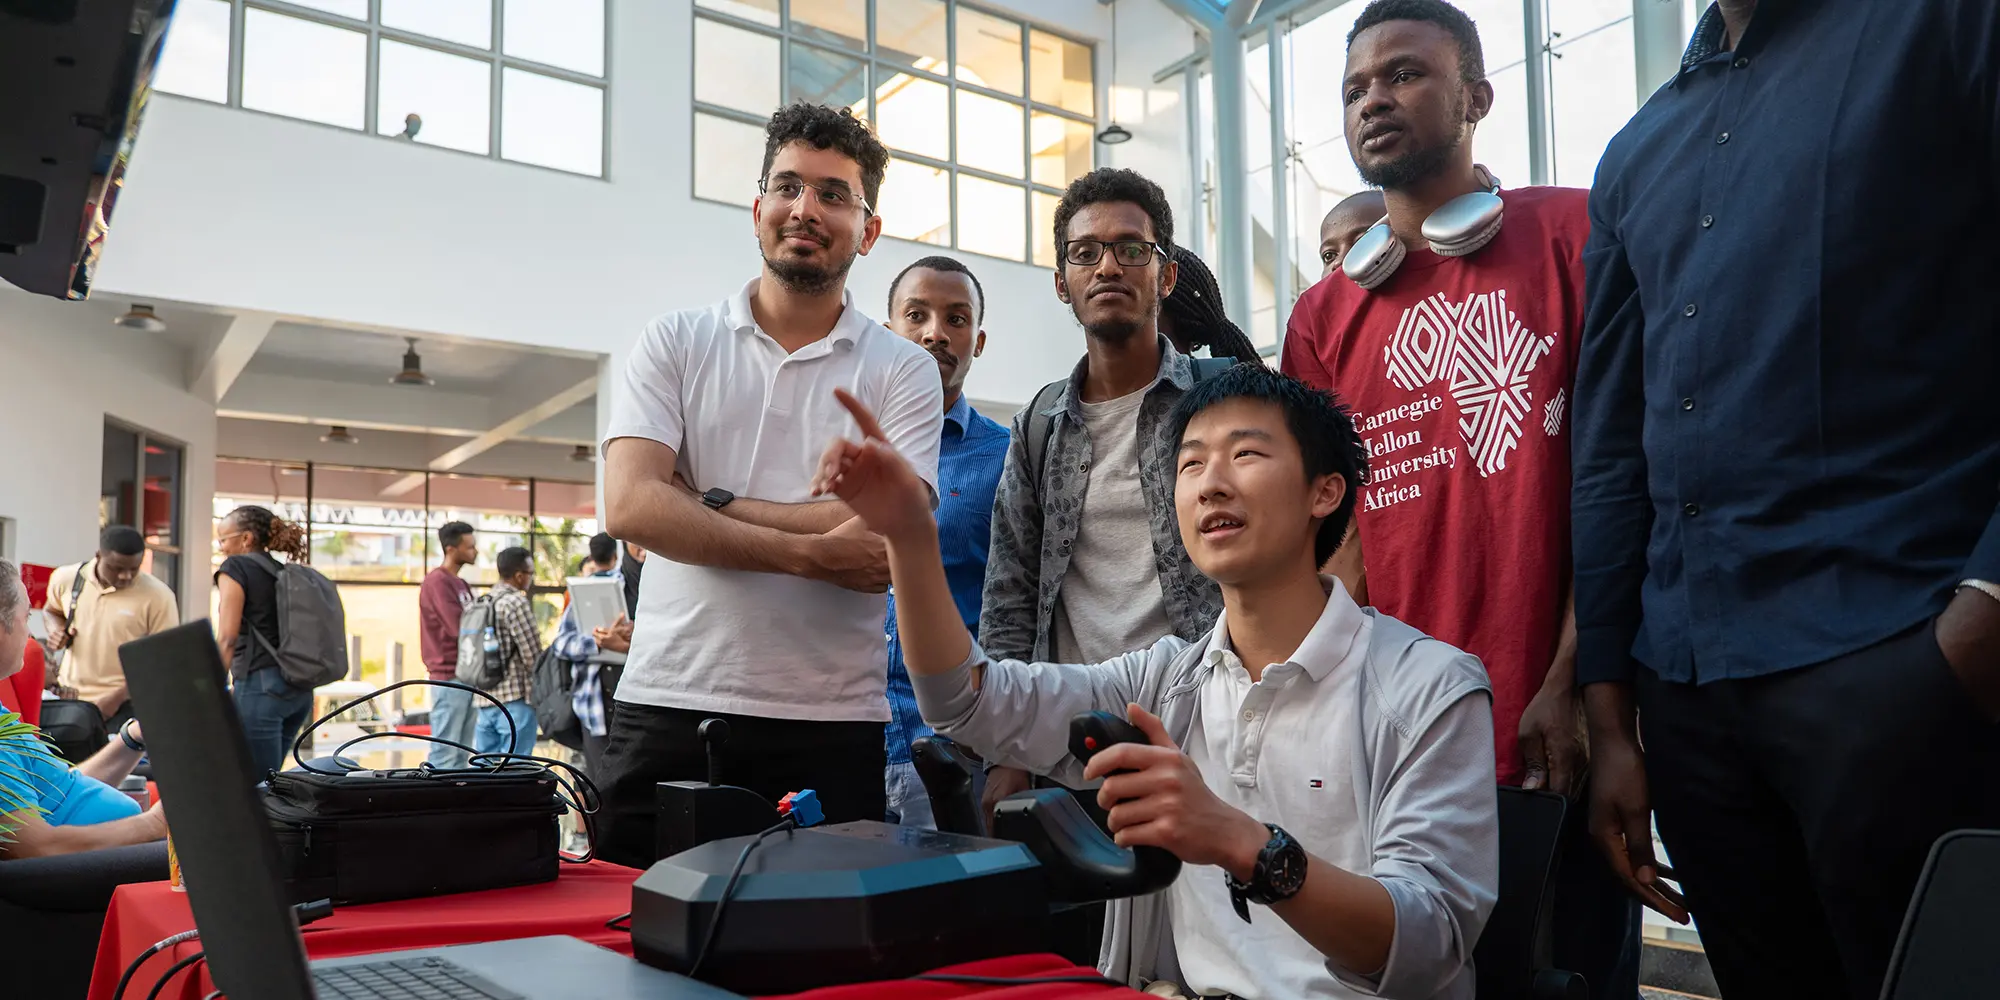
1741	61
1720	139
1707	221
1691	510
1688	403
1688	310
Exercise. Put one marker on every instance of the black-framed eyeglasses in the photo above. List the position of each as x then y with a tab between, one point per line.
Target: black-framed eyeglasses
1128	253
783	192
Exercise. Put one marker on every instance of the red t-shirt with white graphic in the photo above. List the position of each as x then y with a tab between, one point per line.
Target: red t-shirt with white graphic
1459	372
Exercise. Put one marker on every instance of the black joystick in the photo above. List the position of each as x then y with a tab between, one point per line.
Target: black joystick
1091	732
714	733
1080	862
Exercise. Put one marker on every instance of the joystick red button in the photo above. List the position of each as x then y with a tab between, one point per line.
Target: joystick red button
1090	743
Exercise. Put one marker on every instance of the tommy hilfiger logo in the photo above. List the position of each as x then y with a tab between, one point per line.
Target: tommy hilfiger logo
1316	783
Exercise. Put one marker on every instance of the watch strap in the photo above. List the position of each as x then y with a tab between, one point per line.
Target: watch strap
125	736
1987	587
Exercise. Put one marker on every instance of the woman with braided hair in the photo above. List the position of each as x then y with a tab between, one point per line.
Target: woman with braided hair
1192	316
246	627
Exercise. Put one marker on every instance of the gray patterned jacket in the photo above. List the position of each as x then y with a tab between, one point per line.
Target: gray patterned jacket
1033	529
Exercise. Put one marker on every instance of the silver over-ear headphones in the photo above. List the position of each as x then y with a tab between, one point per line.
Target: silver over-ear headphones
1459	227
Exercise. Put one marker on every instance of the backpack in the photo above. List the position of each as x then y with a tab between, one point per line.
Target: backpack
481	663
549	694
312	625
1042	426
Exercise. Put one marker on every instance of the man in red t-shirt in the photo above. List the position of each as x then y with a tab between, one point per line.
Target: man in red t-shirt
441	601
1458	369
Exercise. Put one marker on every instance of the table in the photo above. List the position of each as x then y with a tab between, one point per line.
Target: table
1015	966
577	903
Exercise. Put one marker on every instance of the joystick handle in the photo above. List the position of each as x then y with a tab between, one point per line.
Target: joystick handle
1091	732
714	733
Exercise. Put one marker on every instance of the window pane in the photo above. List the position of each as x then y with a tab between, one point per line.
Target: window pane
916	203
912	113
1593	88
841	22
369	553
1043	236
911	33
1502	139
989	51
1502	33
467	22
734	68
301	69
824	77
451	94
991	217
989	134
1571	18
727	156
552	123
356	9
1062	147
195	62
163	494
563	33
1059	73
755	11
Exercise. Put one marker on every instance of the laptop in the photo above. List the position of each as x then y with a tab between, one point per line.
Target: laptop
1946	946
229	858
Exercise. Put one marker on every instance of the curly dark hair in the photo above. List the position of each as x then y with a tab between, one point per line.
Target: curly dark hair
1324	428
272	533
1471	57
1195	311
1109	184
823	127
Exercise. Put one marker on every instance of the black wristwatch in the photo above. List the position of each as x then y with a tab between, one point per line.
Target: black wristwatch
717	498
1280	874
125	735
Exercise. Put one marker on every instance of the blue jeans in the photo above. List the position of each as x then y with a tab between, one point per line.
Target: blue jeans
493	728
909	804
454	718
272	712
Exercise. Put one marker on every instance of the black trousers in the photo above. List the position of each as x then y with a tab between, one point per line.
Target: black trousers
1595	925
1798	808
595	746
843	761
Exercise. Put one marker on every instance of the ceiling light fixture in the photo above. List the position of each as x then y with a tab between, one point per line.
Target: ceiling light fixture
338	435
1113	133
413	369
583	453
141	318
517	485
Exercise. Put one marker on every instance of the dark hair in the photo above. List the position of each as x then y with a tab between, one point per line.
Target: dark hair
121	540
451	532
272	533
513	559
1109	184
603	549
1195	309
1471	57
949	265
1324	428
822	127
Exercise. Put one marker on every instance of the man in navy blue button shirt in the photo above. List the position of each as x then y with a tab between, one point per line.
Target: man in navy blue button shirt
937	304
1787	461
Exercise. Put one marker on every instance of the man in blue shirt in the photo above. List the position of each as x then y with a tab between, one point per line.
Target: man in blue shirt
937	304
1786	452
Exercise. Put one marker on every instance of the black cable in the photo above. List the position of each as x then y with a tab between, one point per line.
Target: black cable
945	977
174	970
729	889
158	946
305	735
213	996
621	922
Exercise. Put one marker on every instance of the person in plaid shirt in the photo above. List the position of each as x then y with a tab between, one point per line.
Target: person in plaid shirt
520	644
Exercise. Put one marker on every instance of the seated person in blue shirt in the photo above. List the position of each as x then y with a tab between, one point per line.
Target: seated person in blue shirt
938	305
1324	771
46	806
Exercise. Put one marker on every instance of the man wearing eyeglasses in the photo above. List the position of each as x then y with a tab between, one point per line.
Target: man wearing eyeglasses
764	607
1086	559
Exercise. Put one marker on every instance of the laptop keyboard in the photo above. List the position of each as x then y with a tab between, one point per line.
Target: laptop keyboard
406	979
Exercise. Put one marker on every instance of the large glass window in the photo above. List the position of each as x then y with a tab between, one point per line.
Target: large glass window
989	117
528	87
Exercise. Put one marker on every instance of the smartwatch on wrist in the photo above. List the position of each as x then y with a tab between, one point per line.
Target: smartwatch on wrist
125	736
717	498
1280	874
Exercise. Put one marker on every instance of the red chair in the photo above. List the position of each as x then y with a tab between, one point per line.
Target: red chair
23	692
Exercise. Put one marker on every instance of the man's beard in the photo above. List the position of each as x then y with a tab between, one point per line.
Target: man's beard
1417	164
1113	330
802	278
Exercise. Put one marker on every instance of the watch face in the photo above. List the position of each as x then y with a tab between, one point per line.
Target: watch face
1283	865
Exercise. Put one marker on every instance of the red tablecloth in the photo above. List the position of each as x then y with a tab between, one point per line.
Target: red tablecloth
577	904
1016	967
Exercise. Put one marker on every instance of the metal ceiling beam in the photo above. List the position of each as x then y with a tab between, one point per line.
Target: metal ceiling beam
214	366
505	431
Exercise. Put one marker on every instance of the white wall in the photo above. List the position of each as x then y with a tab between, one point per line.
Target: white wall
394	450
67	371
245	210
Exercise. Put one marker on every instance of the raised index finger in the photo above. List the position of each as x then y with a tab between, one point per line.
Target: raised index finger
863	417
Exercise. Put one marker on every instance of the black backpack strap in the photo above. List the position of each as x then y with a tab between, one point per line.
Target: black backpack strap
1041	427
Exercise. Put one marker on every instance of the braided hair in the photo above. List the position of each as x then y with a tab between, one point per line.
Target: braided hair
1195	310
271	532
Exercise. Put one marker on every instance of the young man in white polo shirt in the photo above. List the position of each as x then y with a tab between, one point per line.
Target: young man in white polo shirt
1334	806
762	605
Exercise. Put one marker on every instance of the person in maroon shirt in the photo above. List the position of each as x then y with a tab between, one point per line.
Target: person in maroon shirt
1459	370
440	602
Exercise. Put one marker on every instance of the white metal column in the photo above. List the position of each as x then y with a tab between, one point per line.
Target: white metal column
1281	211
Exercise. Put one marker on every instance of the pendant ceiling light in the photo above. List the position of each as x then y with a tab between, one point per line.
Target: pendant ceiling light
582	454
141	318
1113	133
339	435
413	369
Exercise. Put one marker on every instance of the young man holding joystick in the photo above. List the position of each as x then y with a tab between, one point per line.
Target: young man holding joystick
1334	764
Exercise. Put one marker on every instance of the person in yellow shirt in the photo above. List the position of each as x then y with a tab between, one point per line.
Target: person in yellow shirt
96	606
